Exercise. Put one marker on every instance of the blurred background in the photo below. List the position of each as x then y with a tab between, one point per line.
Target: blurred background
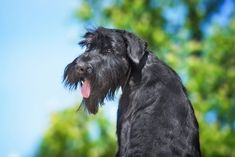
39	38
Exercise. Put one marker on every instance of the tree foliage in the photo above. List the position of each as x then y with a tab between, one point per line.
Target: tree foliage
187	35
77	134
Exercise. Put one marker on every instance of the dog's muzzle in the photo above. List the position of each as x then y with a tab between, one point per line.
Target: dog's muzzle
84	70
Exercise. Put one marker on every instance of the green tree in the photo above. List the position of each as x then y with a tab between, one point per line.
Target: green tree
212	84
77	134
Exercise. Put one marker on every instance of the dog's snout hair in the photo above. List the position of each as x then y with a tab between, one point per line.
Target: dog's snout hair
155	116
83	68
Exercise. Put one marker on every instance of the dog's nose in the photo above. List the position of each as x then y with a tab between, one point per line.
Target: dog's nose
82	68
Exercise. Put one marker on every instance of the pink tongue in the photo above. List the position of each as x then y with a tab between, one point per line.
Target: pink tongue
86	89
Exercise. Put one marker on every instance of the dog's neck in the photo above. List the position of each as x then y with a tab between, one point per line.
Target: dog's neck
134	72
127	78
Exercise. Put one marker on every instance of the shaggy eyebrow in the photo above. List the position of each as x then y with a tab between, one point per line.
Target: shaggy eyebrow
87	39
83	43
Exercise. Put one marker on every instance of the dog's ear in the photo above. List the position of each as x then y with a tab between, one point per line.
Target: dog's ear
135	47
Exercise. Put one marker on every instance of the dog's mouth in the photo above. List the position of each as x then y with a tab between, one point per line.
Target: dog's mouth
85	88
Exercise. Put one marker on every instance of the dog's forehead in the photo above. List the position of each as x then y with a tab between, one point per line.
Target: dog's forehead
102	36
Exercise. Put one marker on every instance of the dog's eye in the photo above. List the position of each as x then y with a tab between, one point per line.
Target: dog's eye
88	46
108	51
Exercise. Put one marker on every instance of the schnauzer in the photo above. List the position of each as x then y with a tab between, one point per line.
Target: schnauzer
155	117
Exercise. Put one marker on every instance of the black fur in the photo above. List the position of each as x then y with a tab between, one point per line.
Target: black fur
155	118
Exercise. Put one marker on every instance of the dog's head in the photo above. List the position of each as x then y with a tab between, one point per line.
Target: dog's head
104	65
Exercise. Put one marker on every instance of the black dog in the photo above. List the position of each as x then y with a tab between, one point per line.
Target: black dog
155	118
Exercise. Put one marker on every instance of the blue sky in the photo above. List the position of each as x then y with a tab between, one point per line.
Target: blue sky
37	40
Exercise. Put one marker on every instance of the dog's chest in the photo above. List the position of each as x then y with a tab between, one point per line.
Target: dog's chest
124	120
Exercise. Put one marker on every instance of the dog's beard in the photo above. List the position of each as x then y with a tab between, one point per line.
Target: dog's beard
99	91
98	86
70	79
93	89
